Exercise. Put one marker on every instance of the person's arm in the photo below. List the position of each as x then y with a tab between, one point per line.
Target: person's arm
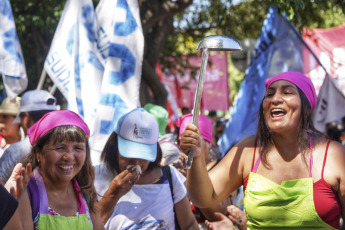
336	163
96	220
207	189
209	213
118	187
184	215
14	222
16	185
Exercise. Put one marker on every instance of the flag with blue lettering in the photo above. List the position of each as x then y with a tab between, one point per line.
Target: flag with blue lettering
12	66
121	42
280	48
74	62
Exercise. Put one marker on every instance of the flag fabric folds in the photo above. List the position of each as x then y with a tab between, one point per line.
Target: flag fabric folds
329	46
121	41
74	62
12	66
280	48
330	104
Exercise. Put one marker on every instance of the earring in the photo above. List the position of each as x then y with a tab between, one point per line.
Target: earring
38	161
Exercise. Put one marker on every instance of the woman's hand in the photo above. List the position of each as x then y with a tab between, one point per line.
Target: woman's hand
237	216
191	140
118	187
223	223
18	180
123	182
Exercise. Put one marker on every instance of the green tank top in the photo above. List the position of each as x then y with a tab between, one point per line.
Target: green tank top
289	205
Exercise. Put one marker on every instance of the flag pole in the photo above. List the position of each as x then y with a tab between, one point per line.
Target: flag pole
53	89
42	78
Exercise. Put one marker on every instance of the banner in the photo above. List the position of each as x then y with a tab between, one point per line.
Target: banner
172	106
280	48
215	92
330	105
74	62
121	41
329	46
12	66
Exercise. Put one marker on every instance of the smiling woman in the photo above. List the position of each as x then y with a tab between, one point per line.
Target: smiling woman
61	191
288	168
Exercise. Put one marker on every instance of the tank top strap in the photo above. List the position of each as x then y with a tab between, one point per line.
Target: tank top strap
324	160
254	169
43	194
254	155
81	203
256	164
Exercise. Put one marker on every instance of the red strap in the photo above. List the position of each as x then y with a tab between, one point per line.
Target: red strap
324	160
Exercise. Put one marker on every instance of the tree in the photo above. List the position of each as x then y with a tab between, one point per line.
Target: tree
171	28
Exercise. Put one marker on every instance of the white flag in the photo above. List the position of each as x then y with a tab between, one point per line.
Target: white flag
74	62
121	41
12	66
330	104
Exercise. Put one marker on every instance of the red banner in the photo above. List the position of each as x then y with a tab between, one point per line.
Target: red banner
329	47
215	93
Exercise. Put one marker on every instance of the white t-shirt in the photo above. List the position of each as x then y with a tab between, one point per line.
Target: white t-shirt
147	206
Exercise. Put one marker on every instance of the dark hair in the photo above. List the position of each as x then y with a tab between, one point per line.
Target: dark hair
35	115
110	159
264	134
86	176
212	113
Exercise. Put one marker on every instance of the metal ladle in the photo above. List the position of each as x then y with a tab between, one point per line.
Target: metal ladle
210	43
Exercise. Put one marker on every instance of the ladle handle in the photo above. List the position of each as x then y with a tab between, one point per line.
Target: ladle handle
189	161
197	101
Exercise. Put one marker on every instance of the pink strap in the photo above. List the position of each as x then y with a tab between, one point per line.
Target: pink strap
310	158
257	164
311	154
44	198
81	204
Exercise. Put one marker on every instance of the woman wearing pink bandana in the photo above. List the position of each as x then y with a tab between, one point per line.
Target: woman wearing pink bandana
61	190
293	176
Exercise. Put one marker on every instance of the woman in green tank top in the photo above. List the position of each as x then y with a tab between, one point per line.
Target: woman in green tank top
280	166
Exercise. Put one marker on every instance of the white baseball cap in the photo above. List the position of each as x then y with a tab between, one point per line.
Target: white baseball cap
35	100
138	135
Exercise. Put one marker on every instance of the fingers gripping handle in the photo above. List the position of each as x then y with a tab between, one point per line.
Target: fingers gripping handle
197	102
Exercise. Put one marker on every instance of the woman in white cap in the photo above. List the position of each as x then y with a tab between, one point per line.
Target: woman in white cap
136	192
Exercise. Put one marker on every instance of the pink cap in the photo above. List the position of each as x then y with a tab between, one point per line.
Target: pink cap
301	81
204	124
55	119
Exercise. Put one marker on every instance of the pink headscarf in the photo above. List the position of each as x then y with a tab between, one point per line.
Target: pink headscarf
55	119
204	124
301	81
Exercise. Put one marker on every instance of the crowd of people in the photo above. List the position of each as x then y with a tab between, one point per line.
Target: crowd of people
287	175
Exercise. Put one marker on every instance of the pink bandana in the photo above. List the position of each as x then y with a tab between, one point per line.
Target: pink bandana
55	119
301	81
205	125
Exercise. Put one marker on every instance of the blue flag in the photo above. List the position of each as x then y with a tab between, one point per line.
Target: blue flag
12	66
280	48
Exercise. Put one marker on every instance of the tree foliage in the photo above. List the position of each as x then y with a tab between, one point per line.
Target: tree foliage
171	28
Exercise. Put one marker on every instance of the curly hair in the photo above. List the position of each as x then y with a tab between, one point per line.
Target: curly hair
264	134
86	175
110	159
